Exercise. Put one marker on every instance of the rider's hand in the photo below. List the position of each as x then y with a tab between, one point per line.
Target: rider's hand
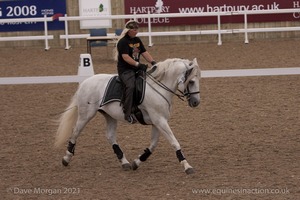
153	63
143	67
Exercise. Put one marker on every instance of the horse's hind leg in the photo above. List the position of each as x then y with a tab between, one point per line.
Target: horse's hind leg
111	137
82	120
148	151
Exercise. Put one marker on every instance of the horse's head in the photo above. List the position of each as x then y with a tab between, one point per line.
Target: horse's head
189	83
179	74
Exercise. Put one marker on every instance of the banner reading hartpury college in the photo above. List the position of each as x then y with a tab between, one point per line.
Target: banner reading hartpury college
199	6
31	9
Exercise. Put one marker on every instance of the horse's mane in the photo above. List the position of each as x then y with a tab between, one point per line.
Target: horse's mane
164	66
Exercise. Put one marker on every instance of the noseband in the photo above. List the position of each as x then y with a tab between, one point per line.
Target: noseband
187	92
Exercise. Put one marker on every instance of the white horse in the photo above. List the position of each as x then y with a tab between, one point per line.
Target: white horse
170	76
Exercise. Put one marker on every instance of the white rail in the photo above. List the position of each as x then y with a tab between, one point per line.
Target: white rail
45	37
217	31
85	70
204	74
246	30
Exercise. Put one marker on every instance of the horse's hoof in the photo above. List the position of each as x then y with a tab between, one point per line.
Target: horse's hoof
64	162
189	171
126	167
134	165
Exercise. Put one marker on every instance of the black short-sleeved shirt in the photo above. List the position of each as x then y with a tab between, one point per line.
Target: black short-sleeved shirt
134	47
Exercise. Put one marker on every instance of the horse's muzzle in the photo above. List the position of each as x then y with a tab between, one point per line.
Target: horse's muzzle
193	102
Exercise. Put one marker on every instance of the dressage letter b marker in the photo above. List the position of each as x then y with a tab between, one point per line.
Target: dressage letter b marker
85	68
86	62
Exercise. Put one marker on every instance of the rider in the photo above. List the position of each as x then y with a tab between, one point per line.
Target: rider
129	49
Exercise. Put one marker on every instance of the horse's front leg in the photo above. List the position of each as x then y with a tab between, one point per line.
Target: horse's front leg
148	151
164	127
111	137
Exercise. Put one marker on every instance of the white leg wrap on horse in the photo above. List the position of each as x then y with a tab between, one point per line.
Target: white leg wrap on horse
124	160
68	156
185	164
136	163
125	164
187	167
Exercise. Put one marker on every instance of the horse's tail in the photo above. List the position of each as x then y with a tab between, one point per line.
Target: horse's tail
66	123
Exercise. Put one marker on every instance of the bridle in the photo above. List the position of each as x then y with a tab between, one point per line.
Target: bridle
186	93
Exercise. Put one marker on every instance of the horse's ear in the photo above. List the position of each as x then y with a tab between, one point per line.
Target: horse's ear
196	64
195	61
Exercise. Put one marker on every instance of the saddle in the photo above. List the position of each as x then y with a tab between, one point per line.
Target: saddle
115	89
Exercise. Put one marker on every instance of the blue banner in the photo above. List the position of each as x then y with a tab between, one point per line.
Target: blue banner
31	9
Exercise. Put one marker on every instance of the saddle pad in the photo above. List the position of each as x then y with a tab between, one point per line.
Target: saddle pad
113	91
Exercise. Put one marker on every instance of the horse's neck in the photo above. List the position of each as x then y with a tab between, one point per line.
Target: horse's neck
169	74
165	85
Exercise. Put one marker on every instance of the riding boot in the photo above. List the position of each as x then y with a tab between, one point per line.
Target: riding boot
128	104
128	78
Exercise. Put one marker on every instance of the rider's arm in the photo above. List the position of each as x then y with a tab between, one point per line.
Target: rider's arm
130	60
148	57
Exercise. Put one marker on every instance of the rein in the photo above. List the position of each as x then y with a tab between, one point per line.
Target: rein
180	96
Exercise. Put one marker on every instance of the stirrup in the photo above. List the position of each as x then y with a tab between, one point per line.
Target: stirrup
131	119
